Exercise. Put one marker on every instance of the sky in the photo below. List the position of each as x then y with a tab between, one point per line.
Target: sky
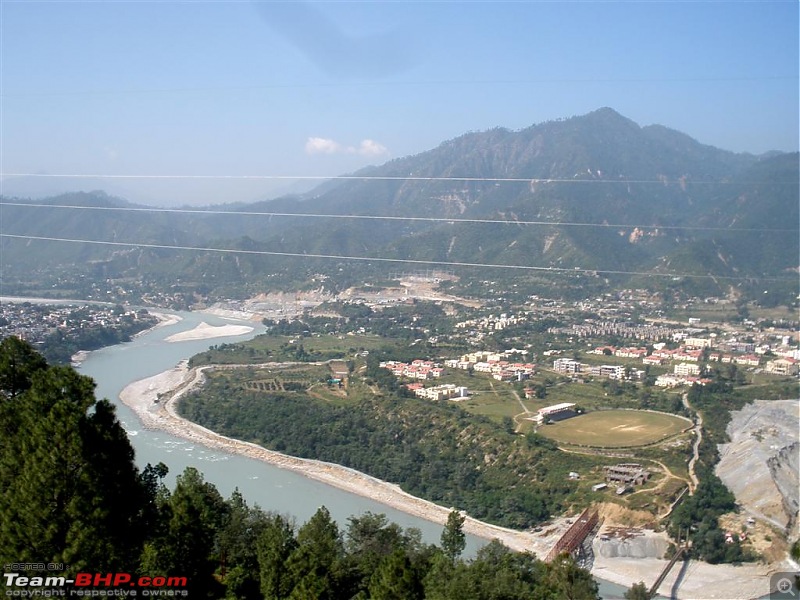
303	89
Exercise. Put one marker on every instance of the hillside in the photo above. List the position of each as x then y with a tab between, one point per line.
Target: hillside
595	192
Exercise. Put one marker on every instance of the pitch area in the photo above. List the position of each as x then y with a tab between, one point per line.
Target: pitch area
615	428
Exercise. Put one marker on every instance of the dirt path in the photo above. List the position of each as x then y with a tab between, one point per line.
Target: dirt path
516	395
698	432
519	417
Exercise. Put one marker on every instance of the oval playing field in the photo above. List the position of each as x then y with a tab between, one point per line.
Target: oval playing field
615	428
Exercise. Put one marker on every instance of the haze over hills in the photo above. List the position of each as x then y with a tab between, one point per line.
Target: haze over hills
605	194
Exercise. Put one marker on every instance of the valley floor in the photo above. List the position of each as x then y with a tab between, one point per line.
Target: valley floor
154	400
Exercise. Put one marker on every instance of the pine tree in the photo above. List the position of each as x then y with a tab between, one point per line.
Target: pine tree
453	539
567	580
70	490
370	539
237	542
395	579
316	563
274	546
18	362
192	515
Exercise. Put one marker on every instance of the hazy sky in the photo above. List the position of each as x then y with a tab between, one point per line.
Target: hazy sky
319	89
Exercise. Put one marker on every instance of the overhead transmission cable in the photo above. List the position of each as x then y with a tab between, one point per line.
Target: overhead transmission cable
388	260
529	180
199	211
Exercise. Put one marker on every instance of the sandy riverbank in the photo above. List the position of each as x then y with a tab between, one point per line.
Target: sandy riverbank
698	580
141	397
164	320
204	331
219	310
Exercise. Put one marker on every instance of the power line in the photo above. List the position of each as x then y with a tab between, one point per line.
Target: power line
387	217
389	260
529	180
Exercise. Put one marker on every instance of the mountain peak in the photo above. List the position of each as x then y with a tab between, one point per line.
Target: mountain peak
609	116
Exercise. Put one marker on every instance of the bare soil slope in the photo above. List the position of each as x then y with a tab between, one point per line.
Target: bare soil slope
760	465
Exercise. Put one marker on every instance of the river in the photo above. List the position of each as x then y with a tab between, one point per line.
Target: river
261	484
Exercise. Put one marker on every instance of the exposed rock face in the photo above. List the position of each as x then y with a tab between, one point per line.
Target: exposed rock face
785	470
760	464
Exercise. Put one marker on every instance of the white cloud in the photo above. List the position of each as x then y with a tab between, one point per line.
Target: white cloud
317	145
367	147
372	148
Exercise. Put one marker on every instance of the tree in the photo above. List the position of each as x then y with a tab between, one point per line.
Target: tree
59	452
498	572
370	539
638	591
567	581
274	546
192	516
395	579
18	362
453	538
238	548
315	565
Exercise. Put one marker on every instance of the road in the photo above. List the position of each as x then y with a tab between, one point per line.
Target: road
698	438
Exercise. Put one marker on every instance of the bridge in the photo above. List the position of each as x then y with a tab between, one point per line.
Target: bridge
575	535
681	551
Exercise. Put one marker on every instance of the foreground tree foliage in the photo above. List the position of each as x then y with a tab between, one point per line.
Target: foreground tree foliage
70	493
59	453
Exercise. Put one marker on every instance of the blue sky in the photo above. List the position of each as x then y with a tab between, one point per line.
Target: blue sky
319	89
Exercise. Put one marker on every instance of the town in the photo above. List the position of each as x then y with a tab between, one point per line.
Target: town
60	330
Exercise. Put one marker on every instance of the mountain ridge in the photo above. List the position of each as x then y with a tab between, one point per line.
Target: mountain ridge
596	191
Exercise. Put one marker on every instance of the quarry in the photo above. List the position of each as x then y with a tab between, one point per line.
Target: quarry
760	464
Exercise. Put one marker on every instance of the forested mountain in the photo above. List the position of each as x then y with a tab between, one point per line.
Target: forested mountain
595	192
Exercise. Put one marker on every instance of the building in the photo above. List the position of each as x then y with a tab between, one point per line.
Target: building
627	473
545	413
610	371
694	342
653	360
447	391
748	359
566	365
668	381
634	352
782	366
686	369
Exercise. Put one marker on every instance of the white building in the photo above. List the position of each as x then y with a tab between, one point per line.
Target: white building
566	365
610	371
686	369
545	413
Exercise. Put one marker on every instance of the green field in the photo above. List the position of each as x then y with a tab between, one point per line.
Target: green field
615	428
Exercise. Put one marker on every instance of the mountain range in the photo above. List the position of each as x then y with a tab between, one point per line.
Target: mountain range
593	193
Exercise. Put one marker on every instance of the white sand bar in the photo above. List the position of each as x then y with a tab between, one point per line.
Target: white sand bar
204	331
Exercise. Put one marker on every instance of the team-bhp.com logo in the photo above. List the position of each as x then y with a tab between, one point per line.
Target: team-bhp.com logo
92	584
